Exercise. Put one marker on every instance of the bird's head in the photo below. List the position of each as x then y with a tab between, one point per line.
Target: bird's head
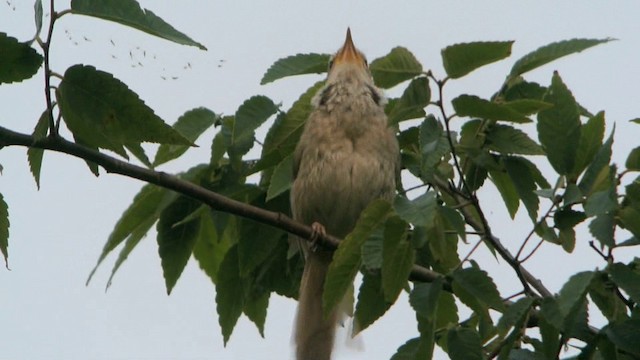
349	62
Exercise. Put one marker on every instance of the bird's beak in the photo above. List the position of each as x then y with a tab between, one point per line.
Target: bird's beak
348	53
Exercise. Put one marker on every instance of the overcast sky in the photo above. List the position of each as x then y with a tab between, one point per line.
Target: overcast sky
58	232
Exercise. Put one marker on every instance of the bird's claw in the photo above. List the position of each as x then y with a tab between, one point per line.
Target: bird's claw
317	231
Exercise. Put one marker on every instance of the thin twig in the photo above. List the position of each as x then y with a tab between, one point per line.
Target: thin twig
47	70
535	226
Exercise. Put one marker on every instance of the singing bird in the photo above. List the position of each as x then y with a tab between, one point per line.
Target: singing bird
347	156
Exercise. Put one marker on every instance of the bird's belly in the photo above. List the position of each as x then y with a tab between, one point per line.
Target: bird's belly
338	186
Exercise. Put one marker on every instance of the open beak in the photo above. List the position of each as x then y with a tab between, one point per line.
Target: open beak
348	53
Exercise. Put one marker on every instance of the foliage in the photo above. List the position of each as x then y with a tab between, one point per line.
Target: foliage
247	259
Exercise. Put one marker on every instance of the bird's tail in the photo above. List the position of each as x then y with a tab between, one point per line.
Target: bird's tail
314	334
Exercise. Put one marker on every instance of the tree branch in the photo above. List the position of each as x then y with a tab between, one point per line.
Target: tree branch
208	197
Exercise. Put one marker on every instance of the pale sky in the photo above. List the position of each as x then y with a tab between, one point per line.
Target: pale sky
58	232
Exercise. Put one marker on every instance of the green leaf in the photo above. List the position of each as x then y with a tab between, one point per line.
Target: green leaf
464	344
4	230
473	106
282	137
34	155
573	292
299	64
419	211
478	284
371	304
132	241
397	66
591	137
601	202
146	207
566	218
229	293
211	248
588	183
461	59
138	151
256	310
604	296
506	139
408	351
625	335
281	179
424	299
398	257
559	127
627	279
524	184
633	160
507	191
528	106
514	314
18	61
412	102
191	125
251	114
176	241
255	243
37	13
433	144
603	229
550	52
102	111
129	13
347	258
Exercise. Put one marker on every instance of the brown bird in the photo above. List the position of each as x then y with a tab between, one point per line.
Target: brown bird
347	156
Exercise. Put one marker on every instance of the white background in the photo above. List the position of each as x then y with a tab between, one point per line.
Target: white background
57	233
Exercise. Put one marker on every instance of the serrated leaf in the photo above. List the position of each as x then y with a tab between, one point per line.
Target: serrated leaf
4	230
507	191
604	296
633	160
601	202
212	246
506	139
397	258
412	102
281	178
599	162
514	314
347	258
408	350
37	16
256	310
464	344
574	291
298	64
433	144
146	206
603	229
566	218
251	114
397	66
424	299
528	106
550	52
524	184
419	211
255	243
625	335
627	279
479	284
102	111
559	127
34	155
129	13
519	89
461	59
473	106
371	304
176	241
591	137
372	251
229	293
191	125
18	61
282	137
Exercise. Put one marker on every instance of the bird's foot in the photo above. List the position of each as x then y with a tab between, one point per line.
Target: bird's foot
318	230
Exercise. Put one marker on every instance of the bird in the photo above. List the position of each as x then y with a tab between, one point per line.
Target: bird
347	156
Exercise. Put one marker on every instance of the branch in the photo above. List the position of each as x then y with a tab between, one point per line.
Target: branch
167	181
